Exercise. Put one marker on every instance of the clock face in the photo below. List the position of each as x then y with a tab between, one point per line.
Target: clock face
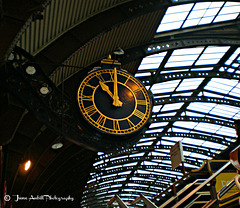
114	102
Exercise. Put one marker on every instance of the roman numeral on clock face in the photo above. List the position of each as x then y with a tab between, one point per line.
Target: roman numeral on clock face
111	76
87	97
137	90
139	114
90	110
99	76
88	85
101	120
116	125
141	102
130	123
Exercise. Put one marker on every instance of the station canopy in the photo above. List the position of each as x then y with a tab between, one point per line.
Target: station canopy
196	90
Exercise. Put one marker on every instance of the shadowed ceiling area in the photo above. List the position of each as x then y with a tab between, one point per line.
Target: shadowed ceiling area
187	55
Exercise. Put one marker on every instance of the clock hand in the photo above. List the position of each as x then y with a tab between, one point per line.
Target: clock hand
116	101
105	88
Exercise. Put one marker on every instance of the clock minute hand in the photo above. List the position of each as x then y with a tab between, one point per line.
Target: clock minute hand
116	101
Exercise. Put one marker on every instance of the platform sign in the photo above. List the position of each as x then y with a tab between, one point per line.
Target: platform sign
223	179
176	154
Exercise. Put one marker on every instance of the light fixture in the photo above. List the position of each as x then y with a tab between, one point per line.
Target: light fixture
44	90
27	165
30	70
11	57
57	145
118	51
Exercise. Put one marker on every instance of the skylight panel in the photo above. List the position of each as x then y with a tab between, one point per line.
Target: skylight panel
166	114
212	55
225	111
183	57
197	155
226	131
179	8
207	127
233	57
154	131
237	116
186	124
158	124
208	94
144	144
173	106
188	113
213	145
174	17
235	91
164	87
183	94
156	108
189	84
146	74
152	61
201	107
230	11
203	13
192	141
174	71
221	85
187	15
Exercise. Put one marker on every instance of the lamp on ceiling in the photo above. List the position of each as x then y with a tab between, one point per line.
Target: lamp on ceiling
30	70
27	165
58	144
118	51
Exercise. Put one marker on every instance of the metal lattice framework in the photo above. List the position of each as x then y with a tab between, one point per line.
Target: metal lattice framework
195	103
189	62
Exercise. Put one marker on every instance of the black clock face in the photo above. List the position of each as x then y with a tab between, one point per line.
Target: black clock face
114	102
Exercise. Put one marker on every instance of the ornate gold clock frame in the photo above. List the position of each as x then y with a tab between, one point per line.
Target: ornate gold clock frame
113	103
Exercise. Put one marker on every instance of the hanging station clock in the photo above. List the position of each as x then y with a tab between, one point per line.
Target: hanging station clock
113	102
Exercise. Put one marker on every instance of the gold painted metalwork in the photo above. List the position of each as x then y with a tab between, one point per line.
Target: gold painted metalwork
131	86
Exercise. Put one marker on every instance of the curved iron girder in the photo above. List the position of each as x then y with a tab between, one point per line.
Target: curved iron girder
186	99
185	75
223	141
128	168
103	189
157	46
148	158
192	119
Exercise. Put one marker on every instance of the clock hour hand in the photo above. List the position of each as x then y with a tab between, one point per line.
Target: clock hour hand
116	101
105	88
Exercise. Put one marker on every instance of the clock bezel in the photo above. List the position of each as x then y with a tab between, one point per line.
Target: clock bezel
136	129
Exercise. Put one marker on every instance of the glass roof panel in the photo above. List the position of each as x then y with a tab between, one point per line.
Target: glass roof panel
152	61
212	55
187	15
164	87
192	103
189	84
184	57
222	85
174	17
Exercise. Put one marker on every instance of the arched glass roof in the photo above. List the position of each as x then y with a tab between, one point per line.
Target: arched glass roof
196	92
